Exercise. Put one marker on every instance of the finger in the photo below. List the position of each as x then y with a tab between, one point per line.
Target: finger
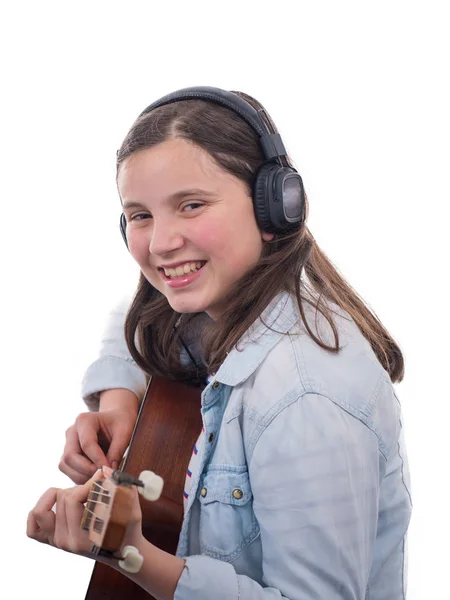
73	455
64	518
74	475
41	519
69	511
35	532
119	443
87	435
77	539
81	492
136	511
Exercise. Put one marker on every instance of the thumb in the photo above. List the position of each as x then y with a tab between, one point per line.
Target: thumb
117	447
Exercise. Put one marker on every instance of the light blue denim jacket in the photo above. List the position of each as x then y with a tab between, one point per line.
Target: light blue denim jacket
302	490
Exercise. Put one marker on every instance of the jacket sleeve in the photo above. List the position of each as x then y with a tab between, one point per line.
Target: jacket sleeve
114	367
315	475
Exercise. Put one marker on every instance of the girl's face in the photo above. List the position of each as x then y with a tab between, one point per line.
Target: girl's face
190	225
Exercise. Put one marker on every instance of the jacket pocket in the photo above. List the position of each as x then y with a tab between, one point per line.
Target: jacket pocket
227	521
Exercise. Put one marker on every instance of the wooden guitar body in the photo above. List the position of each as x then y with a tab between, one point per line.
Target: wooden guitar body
168	425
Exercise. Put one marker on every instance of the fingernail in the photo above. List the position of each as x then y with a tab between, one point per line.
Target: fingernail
107	471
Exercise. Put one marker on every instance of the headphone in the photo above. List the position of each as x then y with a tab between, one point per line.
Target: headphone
278	193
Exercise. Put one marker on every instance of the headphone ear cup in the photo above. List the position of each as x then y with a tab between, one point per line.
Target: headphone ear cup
261	193
123	228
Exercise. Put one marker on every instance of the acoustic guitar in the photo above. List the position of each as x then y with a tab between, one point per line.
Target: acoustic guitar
168	424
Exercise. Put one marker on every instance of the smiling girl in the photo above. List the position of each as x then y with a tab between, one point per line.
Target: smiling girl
190	226
300	487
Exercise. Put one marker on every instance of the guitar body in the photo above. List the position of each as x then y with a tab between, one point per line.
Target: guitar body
168	425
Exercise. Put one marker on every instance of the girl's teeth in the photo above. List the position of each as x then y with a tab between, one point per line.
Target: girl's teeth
183	269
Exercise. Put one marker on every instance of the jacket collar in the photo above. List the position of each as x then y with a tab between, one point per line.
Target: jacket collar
275	321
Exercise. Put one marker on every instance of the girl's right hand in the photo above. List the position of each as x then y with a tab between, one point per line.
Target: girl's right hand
96	439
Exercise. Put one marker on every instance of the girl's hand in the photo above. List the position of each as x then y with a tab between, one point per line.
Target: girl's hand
61	527
83	452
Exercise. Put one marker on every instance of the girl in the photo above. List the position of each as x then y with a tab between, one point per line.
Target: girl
300	488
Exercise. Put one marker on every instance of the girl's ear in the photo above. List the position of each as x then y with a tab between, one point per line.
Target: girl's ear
267	237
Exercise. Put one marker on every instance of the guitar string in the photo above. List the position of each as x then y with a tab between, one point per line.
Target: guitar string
106	494
99	486
92	512
96	502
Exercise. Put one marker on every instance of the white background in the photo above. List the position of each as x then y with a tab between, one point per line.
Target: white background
359	92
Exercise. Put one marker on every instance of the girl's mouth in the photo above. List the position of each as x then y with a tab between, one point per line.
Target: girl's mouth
183	275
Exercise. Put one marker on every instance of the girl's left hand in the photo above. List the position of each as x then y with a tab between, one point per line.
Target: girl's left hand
62	527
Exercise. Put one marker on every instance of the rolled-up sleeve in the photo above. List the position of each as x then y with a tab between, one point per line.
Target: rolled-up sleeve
114	367
315	476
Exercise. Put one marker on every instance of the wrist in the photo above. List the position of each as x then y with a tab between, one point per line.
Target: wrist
118	398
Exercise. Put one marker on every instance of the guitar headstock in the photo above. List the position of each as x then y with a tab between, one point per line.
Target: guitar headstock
108	509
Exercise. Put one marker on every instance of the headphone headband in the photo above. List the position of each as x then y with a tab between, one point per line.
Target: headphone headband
271	143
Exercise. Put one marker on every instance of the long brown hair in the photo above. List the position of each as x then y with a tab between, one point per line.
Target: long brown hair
154	331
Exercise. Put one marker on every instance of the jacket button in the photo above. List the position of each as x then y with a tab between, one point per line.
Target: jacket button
216	385
237	494
203	492
211	437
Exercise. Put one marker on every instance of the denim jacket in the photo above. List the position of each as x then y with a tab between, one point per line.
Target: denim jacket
302	488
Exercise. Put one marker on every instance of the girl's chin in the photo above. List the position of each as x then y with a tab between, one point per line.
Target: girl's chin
186	307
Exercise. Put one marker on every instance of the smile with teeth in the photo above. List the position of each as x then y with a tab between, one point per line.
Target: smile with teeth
187	268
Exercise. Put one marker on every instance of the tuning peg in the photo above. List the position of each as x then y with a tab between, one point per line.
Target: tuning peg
132	560
152	485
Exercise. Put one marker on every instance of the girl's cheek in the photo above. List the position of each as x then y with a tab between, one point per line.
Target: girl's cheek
211	236
138	248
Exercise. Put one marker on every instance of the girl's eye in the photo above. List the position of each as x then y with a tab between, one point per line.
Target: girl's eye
140	217
192	206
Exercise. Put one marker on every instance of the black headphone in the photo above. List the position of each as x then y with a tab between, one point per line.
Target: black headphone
278	193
